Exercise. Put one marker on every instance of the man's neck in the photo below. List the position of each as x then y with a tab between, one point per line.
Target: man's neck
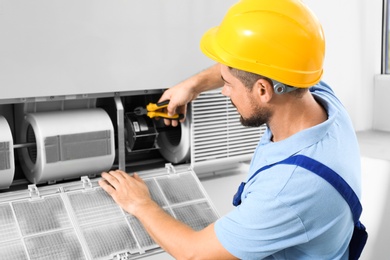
292	117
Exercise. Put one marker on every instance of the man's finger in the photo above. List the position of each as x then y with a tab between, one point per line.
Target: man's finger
174	123
136	177
111	178
167	122
106	186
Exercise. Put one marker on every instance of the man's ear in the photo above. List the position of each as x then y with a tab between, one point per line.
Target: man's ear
264	90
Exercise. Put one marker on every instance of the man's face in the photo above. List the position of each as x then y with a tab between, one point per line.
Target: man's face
244	100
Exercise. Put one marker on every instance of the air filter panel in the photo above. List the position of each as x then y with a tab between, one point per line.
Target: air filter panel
79	220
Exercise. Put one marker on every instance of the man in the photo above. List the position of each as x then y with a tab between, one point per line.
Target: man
270	57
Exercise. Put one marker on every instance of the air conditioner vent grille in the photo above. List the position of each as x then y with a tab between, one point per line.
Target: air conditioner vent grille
217	132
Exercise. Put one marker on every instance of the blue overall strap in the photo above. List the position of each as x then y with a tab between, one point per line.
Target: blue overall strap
321	170
237	196
359	236
332	177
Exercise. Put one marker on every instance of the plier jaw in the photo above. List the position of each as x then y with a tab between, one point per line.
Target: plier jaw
152	111
139	111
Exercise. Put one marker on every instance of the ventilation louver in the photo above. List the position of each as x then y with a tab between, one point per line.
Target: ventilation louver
218	138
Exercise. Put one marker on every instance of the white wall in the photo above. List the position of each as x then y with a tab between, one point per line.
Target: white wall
51	48
381	103
57	48
353	38
376	207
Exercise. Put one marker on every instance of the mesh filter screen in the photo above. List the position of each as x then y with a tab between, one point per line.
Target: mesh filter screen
85	223
13	250
92	206
41	215
107	239
198	216
57	245
155	192
180	188
142	236
8	225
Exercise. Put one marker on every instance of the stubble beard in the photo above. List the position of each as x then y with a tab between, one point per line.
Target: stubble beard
259	117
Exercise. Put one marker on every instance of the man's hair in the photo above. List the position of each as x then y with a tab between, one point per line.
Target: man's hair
249	79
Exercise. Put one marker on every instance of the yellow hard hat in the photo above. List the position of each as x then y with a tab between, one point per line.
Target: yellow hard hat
280	39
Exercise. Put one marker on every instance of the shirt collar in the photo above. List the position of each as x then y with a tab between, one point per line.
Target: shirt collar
273	152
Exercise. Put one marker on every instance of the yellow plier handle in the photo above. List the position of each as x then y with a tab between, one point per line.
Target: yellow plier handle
152	111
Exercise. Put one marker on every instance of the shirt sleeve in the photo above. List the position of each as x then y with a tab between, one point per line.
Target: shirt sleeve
259	227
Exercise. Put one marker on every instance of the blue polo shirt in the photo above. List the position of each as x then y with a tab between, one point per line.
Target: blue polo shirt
288	212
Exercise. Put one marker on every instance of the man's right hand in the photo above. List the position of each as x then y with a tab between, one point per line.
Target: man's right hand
179	96
186	91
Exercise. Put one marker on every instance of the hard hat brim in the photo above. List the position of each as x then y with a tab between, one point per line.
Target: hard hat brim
210	46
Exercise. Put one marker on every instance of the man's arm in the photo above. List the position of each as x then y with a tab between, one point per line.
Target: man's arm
186	91
176	238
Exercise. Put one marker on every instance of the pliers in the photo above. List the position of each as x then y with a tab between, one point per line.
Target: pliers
151	111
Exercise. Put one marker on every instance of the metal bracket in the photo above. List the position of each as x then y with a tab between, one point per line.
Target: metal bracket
87	185
121	133
170	168
34	192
